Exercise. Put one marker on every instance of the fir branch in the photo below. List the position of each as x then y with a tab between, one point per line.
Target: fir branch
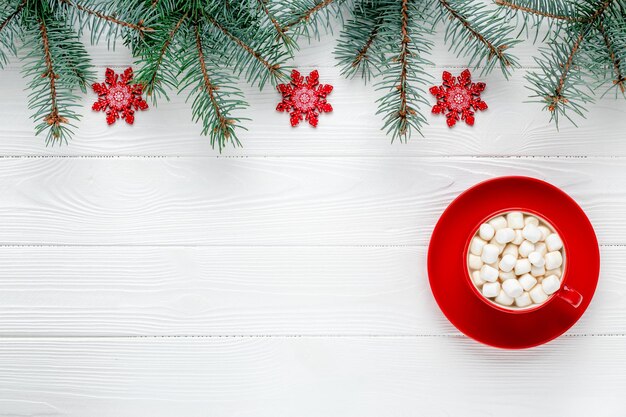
280	31
494	51
599	12
58	65
362	53
558	97
537	12
13	15
273	69
111	19
223	122
149	85
619	77
359	49
403	59
53	119
405	77
9	30
558	91
307	14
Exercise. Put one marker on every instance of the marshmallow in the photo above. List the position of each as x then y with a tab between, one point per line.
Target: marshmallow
523	300
498	223
556	272
516	259
553	260
474	262
491	289
507	275
541	248
490	253
504	299
512	288
527	281
536	259
510	249
488	273
537	270
551	284
507	263
476	247
531	233
519	237
522	266
531	220
486	231
504	236
500	246
515	220
477	279
526	248
553	242
544	232
537	294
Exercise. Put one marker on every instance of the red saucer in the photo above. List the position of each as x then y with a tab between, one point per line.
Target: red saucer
449	278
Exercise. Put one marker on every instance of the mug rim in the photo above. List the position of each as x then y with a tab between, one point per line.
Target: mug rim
493	304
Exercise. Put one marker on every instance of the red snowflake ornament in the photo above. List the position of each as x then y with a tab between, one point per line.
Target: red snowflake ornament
304	98
118	96
458	98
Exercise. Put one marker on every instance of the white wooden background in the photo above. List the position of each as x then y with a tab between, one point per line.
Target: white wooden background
143	274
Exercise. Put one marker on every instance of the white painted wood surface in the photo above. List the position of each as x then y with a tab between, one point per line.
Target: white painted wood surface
143	274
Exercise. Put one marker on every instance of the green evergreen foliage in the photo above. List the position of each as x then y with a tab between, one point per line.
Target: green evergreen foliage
390	41
56	62
585	52
203	48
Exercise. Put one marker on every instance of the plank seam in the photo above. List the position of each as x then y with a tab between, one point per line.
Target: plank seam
283	336
61	245
286	156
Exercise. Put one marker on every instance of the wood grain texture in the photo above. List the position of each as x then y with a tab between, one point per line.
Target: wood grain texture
272	201
277	291
310	377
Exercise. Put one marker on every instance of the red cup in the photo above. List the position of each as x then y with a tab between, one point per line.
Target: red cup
570	295
462	303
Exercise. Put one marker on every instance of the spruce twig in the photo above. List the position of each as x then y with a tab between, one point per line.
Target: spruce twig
494	51
306	16
13	15
537	12
403	59
273	69
223	122
53	119
150	84
619	77
280	31
111	19
362	53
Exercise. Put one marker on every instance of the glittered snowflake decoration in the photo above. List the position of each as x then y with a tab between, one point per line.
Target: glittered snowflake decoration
304	98
118	97
458	98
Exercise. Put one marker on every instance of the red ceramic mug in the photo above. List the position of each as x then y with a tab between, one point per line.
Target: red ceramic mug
566	293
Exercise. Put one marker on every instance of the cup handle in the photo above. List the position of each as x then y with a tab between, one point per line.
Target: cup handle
571	296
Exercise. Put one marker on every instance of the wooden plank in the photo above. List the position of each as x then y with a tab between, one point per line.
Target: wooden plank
510	126
310	377
272	201
256	291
